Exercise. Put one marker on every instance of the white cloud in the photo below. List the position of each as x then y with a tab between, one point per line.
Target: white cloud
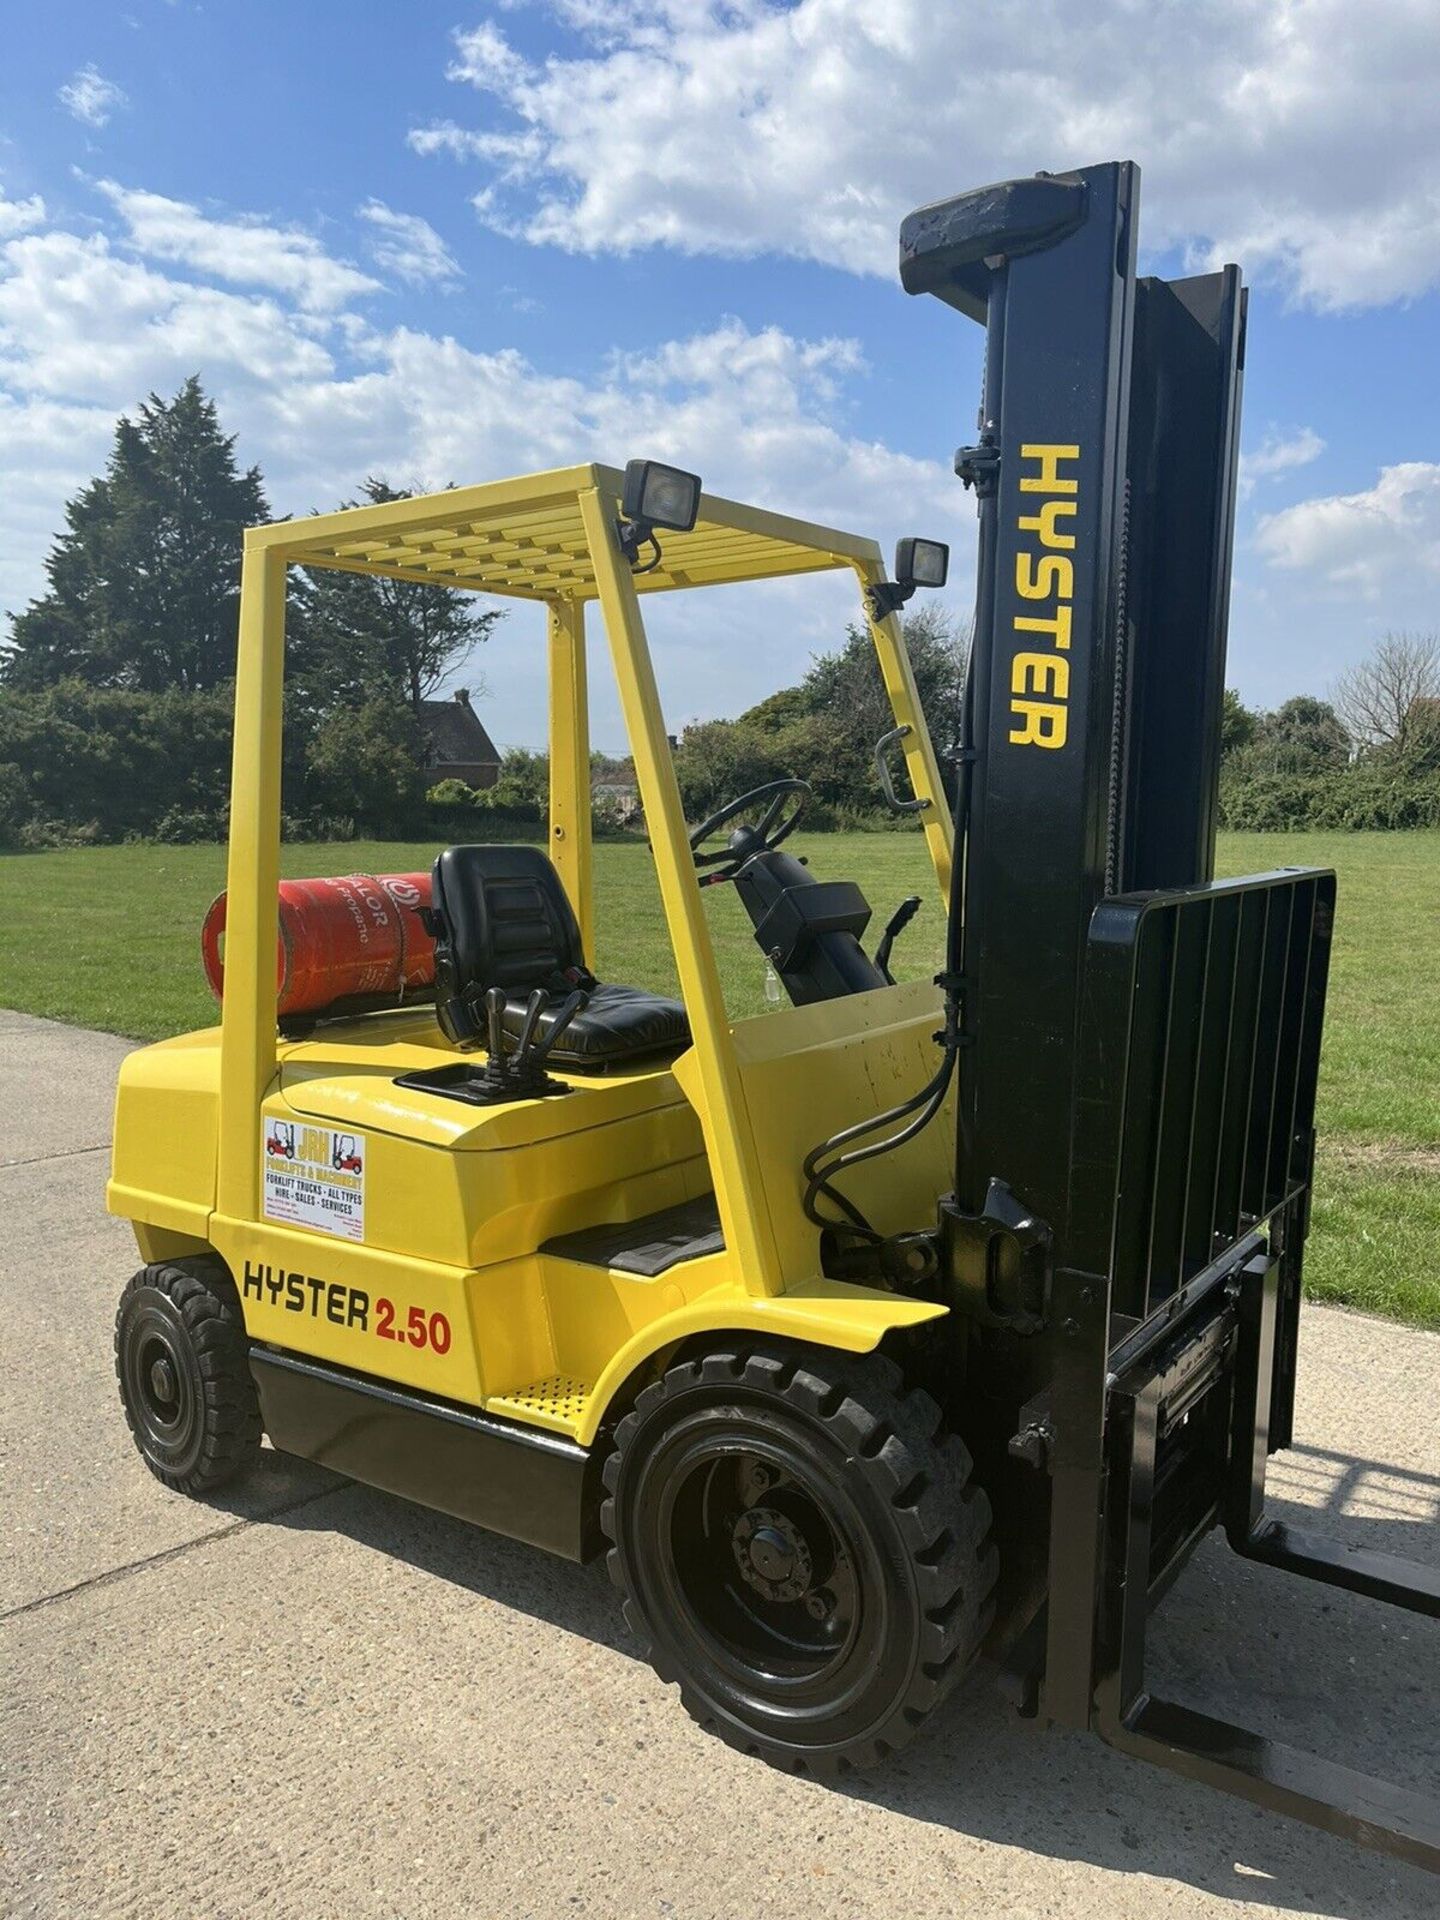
246	251
755	412
19	216
409	247
84	335
79	323
47	449
90	97
1298	136
761	412
1382	542
464	143
321	399
485	59
1277	455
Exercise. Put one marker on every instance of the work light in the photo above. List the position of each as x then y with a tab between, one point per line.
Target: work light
921	563
655	496
918	563
661	496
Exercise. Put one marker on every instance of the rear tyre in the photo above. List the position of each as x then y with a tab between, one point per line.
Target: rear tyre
183	1364
800	1549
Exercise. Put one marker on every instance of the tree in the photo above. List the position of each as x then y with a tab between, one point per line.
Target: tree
847	682
825	729
145	579
368	637
364	761
1237	723
718	760
522	786
1388	702
15	803
1303	736
116	760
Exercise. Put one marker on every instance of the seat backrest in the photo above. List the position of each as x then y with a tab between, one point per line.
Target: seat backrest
502	921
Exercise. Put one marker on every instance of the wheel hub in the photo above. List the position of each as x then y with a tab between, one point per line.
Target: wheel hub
162	1379
772	1554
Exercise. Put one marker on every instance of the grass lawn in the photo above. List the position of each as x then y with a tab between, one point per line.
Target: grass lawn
109	937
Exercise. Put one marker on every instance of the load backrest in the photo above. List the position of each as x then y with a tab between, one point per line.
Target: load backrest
1200	1046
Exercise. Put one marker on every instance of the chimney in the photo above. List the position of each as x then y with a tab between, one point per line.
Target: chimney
462	694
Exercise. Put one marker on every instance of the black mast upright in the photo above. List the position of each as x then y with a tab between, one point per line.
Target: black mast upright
1140	1044
1104	475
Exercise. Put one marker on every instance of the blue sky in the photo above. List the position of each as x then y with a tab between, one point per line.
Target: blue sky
448	243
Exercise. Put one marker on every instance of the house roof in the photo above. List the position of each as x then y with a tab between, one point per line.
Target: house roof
456	734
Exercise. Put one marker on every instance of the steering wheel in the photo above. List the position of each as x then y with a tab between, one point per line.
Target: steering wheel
773	826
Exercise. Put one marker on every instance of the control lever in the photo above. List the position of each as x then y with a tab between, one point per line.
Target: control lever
495	1029
534	1007
896	925
576	1003
519	1074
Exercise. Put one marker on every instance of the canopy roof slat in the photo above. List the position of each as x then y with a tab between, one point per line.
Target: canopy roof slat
525	538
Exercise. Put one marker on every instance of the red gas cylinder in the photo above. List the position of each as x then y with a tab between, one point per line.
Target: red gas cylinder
355	938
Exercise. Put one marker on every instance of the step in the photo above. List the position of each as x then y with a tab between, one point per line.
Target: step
557	1402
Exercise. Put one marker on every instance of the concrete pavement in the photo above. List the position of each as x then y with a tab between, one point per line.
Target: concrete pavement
312	1700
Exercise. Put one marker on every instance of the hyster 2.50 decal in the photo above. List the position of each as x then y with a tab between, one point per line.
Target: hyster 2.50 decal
1045	581
314	1177
344	1306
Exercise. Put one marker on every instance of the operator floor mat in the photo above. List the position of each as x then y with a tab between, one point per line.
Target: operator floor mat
650	1245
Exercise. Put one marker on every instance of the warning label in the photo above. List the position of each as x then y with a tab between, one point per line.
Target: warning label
314	1177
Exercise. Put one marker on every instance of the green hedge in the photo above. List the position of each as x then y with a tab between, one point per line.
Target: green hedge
81	764
1351	798
106	763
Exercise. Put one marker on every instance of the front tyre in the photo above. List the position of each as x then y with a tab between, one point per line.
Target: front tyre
800	1549
183	1365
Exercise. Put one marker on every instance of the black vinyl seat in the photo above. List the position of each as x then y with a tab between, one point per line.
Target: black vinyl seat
501	919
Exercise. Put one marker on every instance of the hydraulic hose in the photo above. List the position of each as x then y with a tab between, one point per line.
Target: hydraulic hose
820	1169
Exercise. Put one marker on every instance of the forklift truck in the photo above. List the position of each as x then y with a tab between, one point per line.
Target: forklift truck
983	1364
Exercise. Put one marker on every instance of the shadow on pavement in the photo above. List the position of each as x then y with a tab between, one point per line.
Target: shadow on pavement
1321	1668
275	1487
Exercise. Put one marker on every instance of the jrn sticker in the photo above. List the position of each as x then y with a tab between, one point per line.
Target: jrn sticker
314	1177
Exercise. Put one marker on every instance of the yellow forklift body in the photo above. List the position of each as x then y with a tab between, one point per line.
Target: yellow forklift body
547	1302
415	1249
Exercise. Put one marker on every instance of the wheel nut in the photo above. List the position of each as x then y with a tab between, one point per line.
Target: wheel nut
820	1604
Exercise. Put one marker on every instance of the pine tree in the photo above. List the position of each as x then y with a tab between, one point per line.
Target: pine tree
366	637
145	580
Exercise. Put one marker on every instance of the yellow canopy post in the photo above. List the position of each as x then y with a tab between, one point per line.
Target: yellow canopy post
739	1187
570	812
247	1051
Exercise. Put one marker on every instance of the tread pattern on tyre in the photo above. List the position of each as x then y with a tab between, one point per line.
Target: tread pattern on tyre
893	1436
204	1294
